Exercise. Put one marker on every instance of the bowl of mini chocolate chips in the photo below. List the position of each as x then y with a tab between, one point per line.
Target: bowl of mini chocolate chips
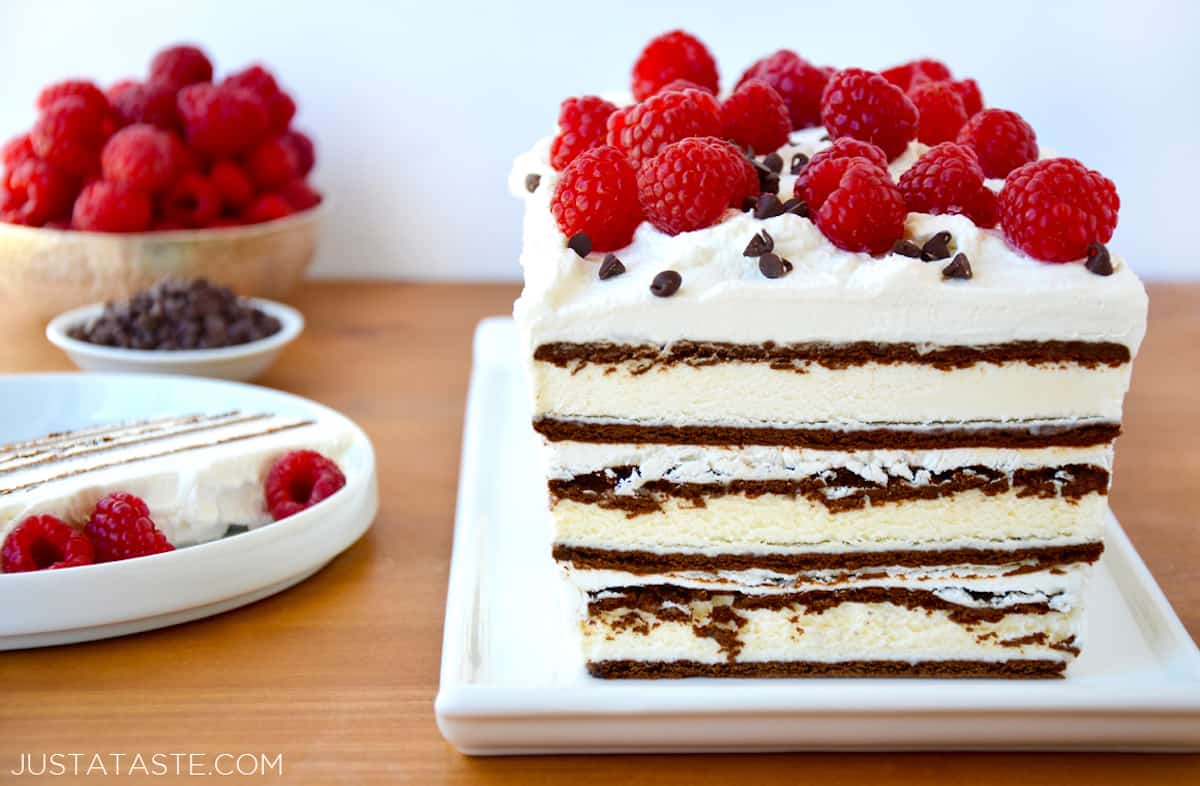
190	327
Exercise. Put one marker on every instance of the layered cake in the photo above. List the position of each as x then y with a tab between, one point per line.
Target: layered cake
828	372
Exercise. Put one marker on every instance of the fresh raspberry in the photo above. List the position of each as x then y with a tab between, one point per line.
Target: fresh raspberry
224	222
121	528
748	182
598	194
299	480
15	151
691	183
968	91
864	105
44	543
303	149
582	124
682	84
864	212
798	82
1052	209
817	179
756	117
300	195
69	135
144	102
948	179
642	130
983	208
909	75
109	207
222	120
181	65
84	90
266	207
671	56
141	157
280	107
940	112
271	164
35	192
192	201
1002	140
233	185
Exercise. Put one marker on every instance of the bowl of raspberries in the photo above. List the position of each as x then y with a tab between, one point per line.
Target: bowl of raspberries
181	174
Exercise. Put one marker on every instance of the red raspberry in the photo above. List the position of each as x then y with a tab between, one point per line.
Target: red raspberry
691	183
864	105
121	528
149	102
864	212
582	124
303	149
642	130
233	185
181	65
35	192
16	150
271	164
1002	140
280	107
44	543
756	117
940	112
968	91
267	207
69	135
911	74
671	56
984	208
299	480
300	195
109	207
948	179
1052	209
598	194
682	84
84	90
141	157
816	179
222	120
224	222
798	82
193	201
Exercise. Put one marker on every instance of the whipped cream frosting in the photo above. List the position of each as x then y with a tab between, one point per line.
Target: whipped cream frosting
831	295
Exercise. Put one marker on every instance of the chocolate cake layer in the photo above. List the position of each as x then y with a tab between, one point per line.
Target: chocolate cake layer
654	670
1071	481
1041	435
795	357
646	562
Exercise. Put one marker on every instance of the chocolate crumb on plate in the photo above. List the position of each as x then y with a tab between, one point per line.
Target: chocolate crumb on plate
1098	259
906	248
959	267
532	181
773	162
580	243
768	206
666	283
798	162
937	247
771	266
760	244
611	267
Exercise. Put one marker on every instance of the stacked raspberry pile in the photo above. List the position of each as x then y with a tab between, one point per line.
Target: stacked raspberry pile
177	150
680	158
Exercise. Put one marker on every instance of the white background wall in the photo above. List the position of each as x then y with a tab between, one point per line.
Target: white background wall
419	107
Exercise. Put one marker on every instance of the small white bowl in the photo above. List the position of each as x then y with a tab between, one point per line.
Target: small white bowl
241	363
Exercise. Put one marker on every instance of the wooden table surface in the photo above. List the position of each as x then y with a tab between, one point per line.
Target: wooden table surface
339	673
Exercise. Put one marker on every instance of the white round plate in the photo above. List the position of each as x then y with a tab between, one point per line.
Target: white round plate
50	607
241	363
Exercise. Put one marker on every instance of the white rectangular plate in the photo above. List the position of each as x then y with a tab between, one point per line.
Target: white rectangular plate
513	679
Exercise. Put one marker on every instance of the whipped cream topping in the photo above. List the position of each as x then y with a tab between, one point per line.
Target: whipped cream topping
831	295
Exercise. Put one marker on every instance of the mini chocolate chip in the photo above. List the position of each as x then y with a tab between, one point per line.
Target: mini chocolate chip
760	244
959	267
906	248
798	162
824	138
1098	260
769	183
788	267
748	203
666	283
773	162
611	267
772	266
580	243
936	247
796	206
768	206
532	181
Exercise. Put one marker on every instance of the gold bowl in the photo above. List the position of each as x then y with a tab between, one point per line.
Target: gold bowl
44	272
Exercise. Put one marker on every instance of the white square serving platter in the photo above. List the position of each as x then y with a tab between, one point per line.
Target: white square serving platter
513	682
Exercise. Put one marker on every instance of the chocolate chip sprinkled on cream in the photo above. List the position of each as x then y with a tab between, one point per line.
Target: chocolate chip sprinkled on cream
768	206
906	248
959	267
773	162
796	206
771	266
769	183
666	283
936	247
748	203
580	243
760	244
1098	260
532	181
611	267
798	162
